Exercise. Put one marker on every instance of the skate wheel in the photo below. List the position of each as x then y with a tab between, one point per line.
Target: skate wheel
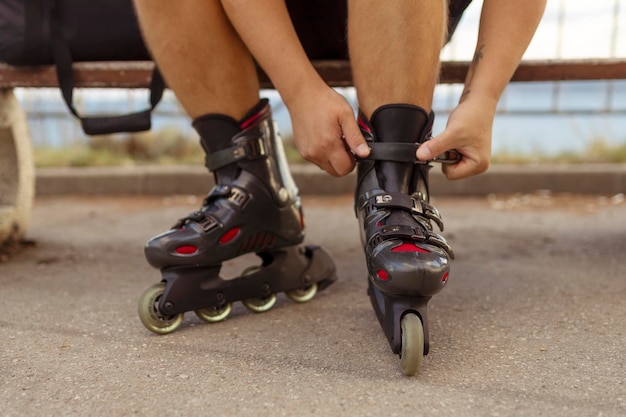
260	305
149	311
213	315
302	295
412	344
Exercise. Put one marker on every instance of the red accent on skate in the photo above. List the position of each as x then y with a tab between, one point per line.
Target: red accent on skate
263	240
382	275
228	236
249	122
409	247
444	279
186	250
364	126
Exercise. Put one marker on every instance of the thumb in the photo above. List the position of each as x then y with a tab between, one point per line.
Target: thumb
354	138
434	147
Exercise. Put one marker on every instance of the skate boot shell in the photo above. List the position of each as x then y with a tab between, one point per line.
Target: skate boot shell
407	260
253	208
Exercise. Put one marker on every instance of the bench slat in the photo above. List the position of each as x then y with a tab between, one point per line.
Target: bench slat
336	73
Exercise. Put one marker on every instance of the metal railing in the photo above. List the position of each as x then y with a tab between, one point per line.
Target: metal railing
554	39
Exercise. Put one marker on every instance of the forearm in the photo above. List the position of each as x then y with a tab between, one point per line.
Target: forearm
266	29
506	29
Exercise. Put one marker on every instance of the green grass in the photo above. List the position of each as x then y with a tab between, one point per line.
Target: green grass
598	151
169	146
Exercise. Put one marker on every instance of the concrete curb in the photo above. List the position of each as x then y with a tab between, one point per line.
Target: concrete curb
607	179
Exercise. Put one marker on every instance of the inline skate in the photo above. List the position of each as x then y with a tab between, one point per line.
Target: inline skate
407	261
253	207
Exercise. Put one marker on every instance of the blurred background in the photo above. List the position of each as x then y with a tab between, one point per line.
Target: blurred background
543	122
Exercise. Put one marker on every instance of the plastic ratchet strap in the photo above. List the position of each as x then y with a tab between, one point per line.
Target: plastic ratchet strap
250	148
405	152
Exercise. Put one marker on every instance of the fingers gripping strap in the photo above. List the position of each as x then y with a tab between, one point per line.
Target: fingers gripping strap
396	152
250	148
405	152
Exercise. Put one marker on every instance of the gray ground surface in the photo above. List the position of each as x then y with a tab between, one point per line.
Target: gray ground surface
533	322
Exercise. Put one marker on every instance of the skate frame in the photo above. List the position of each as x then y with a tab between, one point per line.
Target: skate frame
192	288
390	309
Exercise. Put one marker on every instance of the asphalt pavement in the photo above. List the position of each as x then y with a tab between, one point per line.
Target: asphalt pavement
532	323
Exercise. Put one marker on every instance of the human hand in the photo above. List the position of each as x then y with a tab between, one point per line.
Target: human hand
325	130
468	131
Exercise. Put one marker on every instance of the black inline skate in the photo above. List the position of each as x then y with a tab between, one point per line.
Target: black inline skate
254	207
407	261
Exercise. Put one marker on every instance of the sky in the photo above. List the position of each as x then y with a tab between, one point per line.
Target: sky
587	31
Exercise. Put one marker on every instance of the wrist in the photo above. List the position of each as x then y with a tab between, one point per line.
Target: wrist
293	90
480	97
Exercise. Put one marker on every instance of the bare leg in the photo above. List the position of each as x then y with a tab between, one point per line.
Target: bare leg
200	56
395	50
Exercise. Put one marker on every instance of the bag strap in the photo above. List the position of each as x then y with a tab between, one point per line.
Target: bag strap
98	125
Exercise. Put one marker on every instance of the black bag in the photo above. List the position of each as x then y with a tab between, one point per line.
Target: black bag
59	32
455	12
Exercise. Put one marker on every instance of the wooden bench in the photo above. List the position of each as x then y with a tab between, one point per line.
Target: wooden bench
16	164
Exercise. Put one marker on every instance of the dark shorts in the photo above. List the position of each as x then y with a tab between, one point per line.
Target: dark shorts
321	25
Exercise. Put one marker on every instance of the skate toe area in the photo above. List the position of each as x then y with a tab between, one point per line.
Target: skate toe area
420	272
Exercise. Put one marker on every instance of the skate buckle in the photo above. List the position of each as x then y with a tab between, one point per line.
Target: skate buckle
238	197
383	199
250	149
207	223
247	148
449	157
431	213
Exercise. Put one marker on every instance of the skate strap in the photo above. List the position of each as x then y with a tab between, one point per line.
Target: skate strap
405	152
399	201
206	222
245	148
399	231
415	234
237	196
234	195
418	233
